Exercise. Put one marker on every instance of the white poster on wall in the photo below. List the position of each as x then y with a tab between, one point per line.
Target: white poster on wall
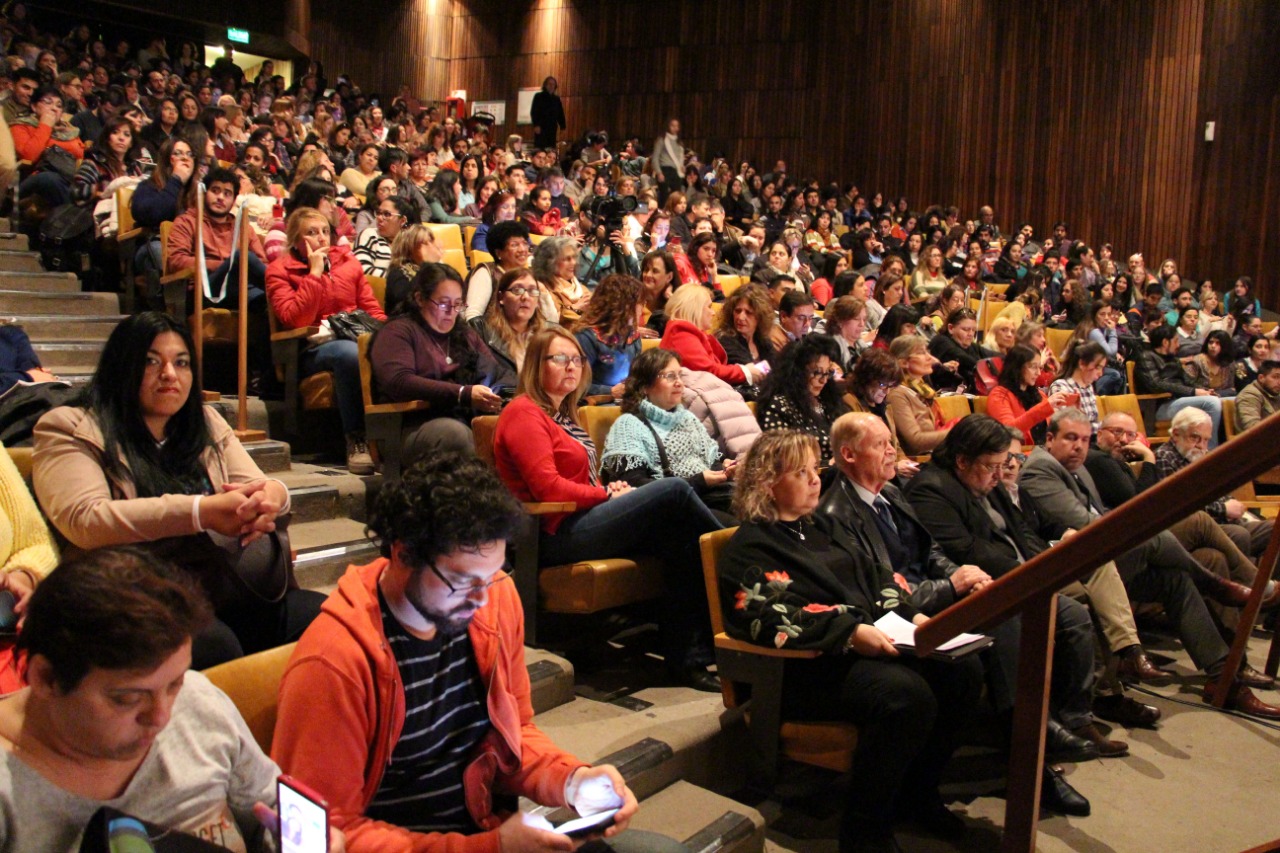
497	109
524	104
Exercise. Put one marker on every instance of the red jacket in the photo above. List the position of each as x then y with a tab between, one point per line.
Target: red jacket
540	462
30	142
299	298
700	351
342	711
1008	410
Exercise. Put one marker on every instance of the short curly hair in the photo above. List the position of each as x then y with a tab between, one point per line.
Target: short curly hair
448	503
774	453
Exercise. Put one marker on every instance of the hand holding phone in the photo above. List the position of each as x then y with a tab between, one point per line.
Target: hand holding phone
304	817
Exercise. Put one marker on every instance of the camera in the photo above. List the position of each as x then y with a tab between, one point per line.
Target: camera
609	211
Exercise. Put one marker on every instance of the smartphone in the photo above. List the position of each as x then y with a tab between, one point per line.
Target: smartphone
304	817
584	826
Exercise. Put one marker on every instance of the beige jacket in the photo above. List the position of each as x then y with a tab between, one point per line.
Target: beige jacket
913	422
92	511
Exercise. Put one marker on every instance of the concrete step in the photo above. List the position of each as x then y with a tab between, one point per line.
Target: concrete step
13	241
325	549
19	303
349	491
550	679
271	456
58	327
656	736
229	406
12	260
40	282
703	820
57	354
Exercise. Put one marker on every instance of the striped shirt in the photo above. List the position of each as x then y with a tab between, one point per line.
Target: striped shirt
373	252
581	436
445	717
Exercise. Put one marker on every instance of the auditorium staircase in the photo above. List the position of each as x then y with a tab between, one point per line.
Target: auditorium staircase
682	753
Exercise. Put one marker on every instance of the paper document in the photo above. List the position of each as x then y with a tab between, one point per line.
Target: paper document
903	633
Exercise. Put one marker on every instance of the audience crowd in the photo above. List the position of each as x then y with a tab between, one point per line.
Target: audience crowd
784	351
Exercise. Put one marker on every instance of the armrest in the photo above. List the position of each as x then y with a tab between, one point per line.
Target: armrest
729	644
397	408
177	276
293	334
597	399
550	507
128	235
1163	395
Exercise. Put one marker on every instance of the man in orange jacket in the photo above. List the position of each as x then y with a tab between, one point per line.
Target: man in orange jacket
406	703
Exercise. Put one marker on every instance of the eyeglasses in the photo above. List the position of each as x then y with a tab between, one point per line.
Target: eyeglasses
519	291
387	214
804	319
989	467
822	374
887	386
1127	435
670	375
475	584
562	360
447	307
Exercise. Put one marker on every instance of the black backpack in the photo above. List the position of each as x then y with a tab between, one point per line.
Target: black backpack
66	238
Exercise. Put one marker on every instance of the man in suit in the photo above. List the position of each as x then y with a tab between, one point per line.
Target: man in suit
1158	570
865	514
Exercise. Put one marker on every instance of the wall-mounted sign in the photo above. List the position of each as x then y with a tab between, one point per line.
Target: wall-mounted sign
237	36
497	109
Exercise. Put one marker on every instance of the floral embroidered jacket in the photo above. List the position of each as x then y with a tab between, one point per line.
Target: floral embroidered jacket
778	590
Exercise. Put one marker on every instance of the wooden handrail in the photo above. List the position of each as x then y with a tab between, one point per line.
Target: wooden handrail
1220	472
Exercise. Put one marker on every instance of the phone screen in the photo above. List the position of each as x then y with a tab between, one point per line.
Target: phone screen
304	820
585	825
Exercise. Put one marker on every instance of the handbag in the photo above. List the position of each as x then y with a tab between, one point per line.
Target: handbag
57	159
350	325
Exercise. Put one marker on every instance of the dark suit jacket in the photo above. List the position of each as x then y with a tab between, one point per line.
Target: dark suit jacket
1114	479
847	519
961	525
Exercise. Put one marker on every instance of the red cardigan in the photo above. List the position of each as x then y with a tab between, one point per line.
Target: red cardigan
1007	409
541	462
700	351
299	298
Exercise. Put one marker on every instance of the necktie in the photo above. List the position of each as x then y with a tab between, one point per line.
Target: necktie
881	508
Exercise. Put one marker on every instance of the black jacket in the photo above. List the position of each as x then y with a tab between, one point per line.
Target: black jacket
945	348
1115	480
960	524
848	520
780	591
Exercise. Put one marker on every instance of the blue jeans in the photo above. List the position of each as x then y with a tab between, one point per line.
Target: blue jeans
663	519
342	359
1110	382
50	186
1210	405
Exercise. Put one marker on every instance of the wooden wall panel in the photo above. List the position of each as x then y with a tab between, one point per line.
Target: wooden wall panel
1092	112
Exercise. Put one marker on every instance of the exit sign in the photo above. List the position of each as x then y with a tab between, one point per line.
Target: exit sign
237	36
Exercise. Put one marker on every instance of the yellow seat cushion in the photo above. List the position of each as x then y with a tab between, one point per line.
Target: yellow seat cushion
589	586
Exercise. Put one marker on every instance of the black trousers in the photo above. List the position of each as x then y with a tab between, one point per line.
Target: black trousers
909	714
252	625
1071	691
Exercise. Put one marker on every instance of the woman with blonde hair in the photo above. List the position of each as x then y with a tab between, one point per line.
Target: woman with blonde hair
928	279
784	582
916	415
689	315
543	453
413	246
1002	335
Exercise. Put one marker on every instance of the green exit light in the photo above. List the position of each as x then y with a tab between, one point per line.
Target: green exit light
237	36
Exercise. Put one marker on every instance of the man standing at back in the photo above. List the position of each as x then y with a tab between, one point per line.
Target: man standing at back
406	704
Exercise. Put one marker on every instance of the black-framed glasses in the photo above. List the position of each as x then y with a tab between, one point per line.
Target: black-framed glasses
562	360
822	374
446	306
519	291
475	585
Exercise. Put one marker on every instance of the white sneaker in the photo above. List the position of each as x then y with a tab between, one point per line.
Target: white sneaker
359	460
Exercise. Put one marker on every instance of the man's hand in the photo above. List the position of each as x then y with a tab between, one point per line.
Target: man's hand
967	578
1136	450
1234	509
526	833
594	789
1204	392
870	642
907	468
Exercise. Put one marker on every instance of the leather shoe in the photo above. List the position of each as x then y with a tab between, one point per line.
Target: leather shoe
1225	592
1246	703
1062	745
1057	795
1118	708
1107	748
700	679
1252	678
1137	668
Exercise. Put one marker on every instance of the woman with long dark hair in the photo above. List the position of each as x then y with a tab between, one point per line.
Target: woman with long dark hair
138	459
1017	402
799	393
1215	364
108	160
443	195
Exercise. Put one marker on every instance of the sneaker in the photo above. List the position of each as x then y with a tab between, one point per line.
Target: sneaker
359	460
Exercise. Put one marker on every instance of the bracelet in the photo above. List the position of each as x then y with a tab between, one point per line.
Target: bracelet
195	514
31	576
